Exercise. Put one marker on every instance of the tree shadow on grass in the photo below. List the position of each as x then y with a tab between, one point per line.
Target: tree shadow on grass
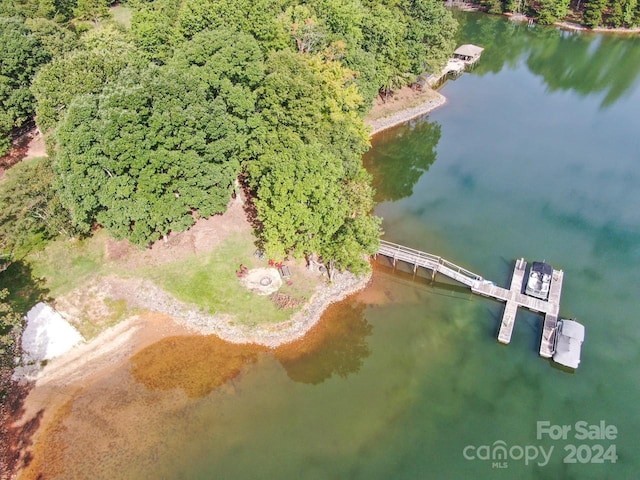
25	290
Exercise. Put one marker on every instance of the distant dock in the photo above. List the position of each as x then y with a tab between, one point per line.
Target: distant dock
464	57
513	297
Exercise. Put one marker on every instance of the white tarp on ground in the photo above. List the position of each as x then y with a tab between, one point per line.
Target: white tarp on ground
47	334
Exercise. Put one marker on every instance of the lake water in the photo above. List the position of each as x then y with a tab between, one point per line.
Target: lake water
535	154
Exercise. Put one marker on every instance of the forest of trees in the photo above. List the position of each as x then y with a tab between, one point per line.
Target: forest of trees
591	13
150	123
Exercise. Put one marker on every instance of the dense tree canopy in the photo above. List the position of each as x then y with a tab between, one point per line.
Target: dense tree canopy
312	193
31	210
594	13
159	148
79	72
150	126
21	54
59	10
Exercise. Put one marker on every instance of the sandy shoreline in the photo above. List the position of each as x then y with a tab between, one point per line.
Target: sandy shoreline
581	28
406	114
67	376
116	343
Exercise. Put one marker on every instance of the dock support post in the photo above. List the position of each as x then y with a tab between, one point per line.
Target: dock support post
415	269
433	276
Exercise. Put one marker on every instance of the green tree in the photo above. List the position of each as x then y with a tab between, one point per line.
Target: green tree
58	10
54	38
593	12
343	19
93	10
9	321
384	32
616	14
31	212
78	73
152	28
622	13
312	194
298	196
630	13
255	17
363	64
431	35
21	54
316	99
156	150
309	33
550	11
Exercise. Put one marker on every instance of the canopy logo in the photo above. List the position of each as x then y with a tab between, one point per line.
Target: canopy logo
500	454
593	449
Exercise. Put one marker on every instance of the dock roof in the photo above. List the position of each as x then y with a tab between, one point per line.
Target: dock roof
468	50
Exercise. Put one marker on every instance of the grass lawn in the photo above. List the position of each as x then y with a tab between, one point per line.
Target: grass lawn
210	281
207	279
67	264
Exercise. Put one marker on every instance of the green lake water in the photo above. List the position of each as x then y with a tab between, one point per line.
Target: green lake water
535	154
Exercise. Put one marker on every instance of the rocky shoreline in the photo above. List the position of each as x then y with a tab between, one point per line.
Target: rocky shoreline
275	335
143	294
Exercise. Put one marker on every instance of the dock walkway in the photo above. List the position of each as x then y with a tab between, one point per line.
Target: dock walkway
513	297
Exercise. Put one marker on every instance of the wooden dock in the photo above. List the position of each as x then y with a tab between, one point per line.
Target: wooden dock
513	297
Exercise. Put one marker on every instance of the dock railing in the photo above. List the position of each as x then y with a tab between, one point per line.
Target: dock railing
427	260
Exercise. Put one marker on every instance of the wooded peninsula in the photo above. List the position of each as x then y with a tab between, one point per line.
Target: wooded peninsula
155	114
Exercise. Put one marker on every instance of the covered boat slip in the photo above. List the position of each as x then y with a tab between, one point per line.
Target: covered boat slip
465	56
468	52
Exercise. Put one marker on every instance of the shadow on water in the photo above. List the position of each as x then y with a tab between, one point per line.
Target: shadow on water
337	345
566	61
403	274
562	368
396	166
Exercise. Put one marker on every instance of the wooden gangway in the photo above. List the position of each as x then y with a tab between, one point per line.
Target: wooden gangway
431	262
513	297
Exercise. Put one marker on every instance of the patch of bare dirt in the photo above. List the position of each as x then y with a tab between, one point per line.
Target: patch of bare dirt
284	301
203	236
27	146
404	98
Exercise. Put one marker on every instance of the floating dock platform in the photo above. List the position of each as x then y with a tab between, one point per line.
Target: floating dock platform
513	296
